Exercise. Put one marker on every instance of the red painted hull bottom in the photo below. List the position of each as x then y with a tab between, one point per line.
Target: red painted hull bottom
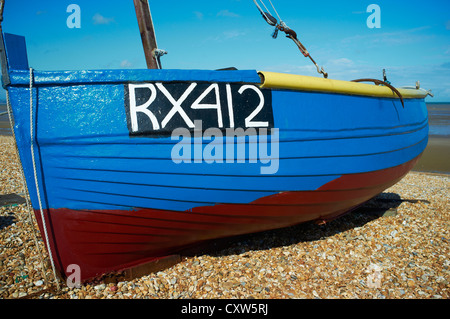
102	242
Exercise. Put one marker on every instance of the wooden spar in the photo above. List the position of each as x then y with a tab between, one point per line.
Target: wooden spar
148	37
2	7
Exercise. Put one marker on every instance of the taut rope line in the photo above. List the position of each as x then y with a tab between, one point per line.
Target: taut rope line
291	34
44	224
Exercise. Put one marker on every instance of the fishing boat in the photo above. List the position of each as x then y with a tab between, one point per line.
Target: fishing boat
128	167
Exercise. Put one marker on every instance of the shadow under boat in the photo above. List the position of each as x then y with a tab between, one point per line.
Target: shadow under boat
383	205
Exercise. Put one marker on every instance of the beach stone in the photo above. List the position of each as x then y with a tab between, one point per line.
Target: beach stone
303	261
113	288
390	213
100	287
227	285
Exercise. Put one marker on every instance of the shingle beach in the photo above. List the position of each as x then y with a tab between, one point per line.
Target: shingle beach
395	247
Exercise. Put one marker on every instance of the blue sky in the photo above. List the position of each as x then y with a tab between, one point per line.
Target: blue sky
412	44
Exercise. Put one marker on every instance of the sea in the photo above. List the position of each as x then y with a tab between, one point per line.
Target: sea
439	119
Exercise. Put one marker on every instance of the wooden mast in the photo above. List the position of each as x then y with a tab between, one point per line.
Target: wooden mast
2	7
148	37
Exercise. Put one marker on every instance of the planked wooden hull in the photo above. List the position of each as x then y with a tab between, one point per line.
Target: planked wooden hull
127	173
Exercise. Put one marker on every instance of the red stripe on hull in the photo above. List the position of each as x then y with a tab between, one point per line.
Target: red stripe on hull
107	241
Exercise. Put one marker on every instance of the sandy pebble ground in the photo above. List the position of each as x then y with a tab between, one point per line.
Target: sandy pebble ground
395	247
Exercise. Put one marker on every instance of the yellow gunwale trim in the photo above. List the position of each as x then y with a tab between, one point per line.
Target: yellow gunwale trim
273	80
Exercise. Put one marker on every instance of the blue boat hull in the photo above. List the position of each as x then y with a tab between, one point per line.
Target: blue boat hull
130	166
114	199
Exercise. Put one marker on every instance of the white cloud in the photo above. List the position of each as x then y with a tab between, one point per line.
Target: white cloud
390	38
126	64
226	35
341	62
227	13
232	34
99	19
199	15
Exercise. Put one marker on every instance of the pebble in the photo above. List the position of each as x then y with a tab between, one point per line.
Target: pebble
401	255
100	287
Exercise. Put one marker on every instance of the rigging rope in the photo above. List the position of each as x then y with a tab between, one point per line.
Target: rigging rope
291	34
281	21
44	224
266	15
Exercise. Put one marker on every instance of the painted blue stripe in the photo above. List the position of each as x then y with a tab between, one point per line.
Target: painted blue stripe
181	192
105	195
316	113
127	149
318	163
19	77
